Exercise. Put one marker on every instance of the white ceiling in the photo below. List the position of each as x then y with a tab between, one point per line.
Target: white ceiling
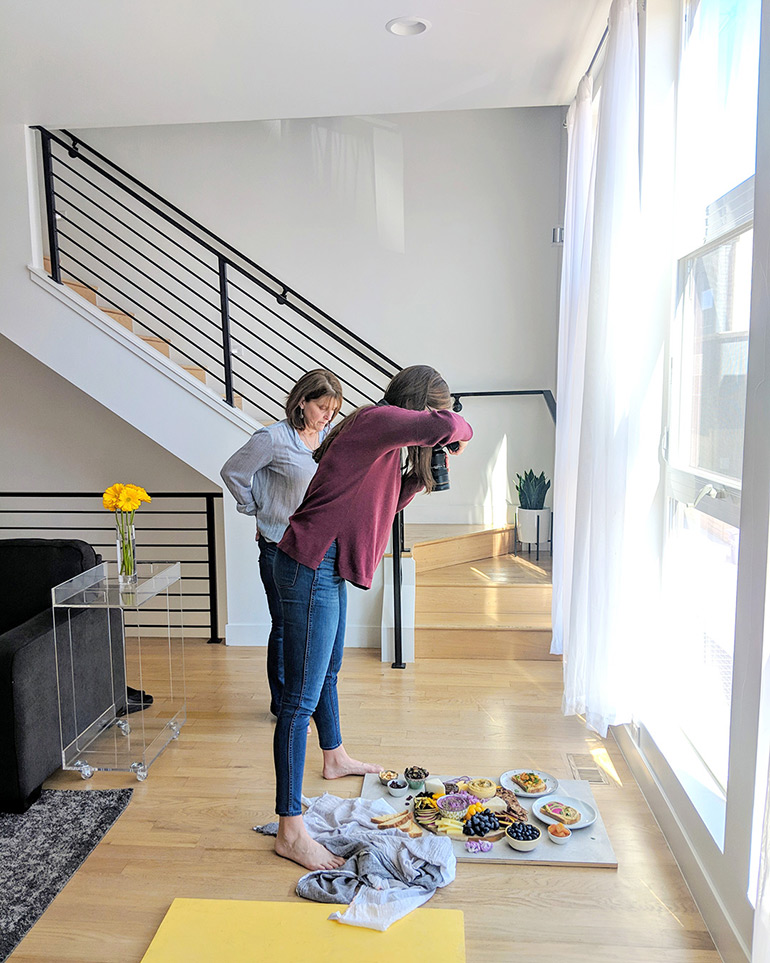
85	63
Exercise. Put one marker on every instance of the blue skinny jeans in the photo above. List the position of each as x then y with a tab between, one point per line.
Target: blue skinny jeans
314	608
267	552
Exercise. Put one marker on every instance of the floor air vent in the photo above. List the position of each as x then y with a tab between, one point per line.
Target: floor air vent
583	766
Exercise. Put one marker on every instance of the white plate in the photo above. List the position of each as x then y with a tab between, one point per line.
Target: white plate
587	812
551	783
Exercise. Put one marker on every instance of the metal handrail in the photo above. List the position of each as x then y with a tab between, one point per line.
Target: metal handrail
286	290
111	205
547	394
114	198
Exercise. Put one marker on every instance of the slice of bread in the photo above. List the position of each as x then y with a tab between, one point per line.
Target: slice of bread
411	829
393	820
565	814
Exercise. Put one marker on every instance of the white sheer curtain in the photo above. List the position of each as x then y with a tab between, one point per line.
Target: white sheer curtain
576	263
605	471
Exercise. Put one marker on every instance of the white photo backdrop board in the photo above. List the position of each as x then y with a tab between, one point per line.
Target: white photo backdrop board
588	847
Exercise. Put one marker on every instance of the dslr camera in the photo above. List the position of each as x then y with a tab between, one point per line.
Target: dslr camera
438	466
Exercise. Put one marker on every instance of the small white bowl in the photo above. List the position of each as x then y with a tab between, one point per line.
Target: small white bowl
398	787
560	840
386	775
523	845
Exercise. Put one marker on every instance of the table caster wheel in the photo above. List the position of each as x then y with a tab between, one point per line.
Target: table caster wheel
139	770
85	771
124	726
174	727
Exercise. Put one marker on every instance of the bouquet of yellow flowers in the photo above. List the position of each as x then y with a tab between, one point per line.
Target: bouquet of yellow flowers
124	501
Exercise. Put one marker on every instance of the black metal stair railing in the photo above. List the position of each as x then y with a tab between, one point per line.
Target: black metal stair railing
236	326
241	330
249	334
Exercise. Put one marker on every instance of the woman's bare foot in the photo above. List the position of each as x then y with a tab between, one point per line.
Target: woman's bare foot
337	763
294	842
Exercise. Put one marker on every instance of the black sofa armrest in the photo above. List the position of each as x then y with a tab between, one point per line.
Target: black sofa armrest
30	733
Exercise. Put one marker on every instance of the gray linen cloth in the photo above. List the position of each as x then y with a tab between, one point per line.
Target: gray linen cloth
385	874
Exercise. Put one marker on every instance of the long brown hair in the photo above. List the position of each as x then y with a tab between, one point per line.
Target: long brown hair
318	383
416	388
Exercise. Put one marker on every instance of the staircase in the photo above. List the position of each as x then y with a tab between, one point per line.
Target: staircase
185	293
188	340
195	344
474	598
129	322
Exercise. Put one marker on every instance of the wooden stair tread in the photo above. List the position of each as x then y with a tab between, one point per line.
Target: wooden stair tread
77	286
501	570
426	534
195	370
495	621
515	644
465	547
157	343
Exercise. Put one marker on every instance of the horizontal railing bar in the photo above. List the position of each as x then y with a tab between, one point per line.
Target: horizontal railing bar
245	380
93	528
144	324
267	344
131	193
77	141
133	283
50	494
331	334
125	207
96	511
117	237
147	310
299	331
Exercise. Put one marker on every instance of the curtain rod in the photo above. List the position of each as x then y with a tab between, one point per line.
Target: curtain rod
599	47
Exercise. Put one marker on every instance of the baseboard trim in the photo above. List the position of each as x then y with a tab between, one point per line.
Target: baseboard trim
727	939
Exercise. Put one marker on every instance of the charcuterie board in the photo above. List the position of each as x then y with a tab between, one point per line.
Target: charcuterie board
588	846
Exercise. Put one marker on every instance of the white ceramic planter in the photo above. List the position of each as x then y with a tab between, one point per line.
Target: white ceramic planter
526	525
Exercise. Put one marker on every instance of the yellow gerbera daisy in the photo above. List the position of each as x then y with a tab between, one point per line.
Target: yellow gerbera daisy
110	497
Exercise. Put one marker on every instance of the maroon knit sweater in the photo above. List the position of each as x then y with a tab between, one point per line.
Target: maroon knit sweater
358	488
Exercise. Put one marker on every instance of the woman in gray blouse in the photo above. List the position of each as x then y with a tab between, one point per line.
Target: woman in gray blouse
268	478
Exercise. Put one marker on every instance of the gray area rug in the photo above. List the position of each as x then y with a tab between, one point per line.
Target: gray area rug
41	849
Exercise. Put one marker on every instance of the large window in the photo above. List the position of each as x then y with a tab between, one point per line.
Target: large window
703	446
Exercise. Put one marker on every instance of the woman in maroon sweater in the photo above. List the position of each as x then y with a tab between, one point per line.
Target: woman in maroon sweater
339	533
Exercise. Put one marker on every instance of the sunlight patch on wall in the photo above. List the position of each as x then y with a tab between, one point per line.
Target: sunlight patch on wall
495	505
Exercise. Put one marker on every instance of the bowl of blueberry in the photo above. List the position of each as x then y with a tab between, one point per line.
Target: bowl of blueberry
481	824
522	836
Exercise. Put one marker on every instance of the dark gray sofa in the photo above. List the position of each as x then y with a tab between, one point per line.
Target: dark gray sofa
30	733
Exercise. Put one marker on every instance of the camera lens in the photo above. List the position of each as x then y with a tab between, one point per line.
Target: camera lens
439	469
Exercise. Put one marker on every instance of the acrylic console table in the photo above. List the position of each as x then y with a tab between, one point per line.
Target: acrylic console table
109	635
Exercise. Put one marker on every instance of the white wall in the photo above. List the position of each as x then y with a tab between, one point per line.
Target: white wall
53	436
427	234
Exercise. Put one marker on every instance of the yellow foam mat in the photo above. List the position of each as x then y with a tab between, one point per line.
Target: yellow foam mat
241	931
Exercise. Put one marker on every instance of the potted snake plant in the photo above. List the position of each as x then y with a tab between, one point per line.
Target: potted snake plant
532	490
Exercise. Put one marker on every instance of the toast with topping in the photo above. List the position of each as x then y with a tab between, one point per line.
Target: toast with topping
529	781
565	814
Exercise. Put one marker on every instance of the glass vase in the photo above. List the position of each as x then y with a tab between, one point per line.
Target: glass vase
125	542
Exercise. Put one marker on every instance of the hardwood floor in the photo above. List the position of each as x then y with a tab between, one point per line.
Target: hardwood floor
187	831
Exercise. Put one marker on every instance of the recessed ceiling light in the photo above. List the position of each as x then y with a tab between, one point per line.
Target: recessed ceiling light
407	26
